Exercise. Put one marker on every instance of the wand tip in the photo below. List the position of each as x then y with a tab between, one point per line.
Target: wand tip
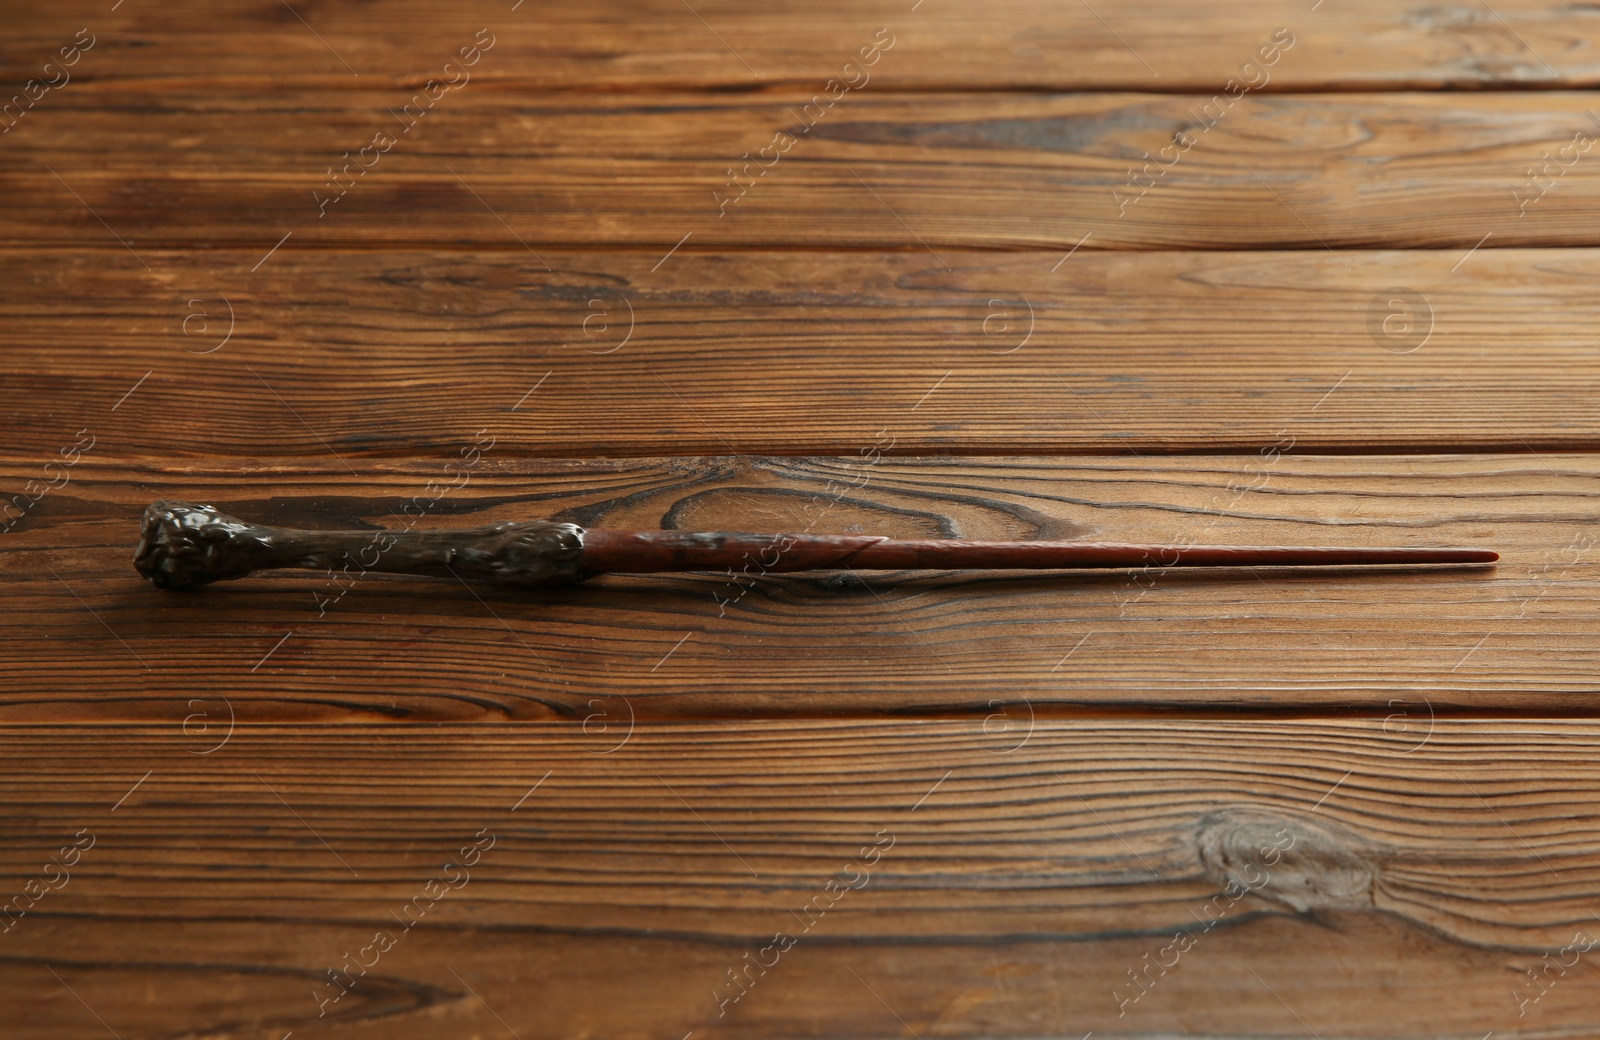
1435	554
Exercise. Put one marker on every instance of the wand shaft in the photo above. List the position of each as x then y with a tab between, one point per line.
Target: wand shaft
638	552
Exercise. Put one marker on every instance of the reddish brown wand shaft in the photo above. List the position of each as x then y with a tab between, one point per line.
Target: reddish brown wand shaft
653	551
185	545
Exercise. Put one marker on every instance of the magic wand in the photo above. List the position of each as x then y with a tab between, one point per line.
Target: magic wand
184	545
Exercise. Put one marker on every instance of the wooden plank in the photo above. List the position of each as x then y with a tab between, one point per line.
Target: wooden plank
84	637
1357	881
1333	173
652	759
1002	44
779	352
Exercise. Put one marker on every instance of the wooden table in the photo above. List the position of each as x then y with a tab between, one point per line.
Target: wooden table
1150	271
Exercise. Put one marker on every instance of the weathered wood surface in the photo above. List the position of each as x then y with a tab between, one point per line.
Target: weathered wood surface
371	647
530	305
185	169
782	352
723	44
1384	882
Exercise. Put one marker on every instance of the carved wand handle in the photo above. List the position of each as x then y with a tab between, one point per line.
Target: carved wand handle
184	545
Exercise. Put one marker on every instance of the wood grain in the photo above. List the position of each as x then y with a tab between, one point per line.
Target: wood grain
723	44
186	169
960	304
368	647
778	352
1013	894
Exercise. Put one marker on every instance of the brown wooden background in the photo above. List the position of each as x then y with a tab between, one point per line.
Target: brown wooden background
1359	309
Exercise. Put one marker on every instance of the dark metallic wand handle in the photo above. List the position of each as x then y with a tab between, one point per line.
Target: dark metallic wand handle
184	545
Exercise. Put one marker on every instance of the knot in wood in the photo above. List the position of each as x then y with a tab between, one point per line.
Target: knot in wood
1292	860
